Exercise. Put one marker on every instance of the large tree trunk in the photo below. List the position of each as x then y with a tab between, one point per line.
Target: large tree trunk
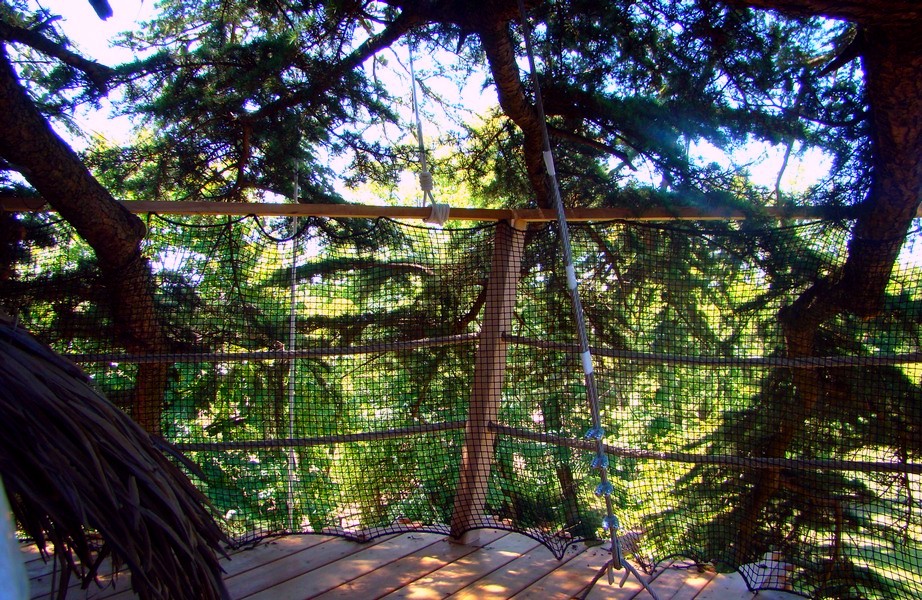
29	143
892	61
501	56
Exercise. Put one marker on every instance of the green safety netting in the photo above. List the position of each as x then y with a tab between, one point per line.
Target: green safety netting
320	374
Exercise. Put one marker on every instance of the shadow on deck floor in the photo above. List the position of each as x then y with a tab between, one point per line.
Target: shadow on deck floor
421	566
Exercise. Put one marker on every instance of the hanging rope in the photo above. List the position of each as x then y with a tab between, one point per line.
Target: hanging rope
292	364
439	213
596	432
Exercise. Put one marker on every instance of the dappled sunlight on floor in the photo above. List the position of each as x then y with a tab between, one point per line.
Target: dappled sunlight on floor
425	566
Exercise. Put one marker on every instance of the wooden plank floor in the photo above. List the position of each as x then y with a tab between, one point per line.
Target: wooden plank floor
420	566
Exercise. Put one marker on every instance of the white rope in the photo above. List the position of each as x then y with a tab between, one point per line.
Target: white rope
292	365
425	181
439	213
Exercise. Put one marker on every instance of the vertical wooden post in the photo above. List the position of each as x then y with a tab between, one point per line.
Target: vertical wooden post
489	374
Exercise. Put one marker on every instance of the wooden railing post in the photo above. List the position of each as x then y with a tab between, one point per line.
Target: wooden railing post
489	374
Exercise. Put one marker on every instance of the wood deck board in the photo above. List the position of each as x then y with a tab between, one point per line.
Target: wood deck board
264	564
515	576
465	571
680	580
315	581
422	566
44	577
632	588
570	578
408	569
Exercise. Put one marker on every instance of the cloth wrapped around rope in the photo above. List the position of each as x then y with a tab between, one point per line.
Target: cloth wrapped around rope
84	477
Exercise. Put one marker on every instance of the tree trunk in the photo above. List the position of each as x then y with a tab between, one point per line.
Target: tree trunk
892	62
501	56
29	143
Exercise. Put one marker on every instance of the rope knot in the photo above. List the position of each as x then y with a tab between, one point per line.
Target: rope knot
425	181
438	214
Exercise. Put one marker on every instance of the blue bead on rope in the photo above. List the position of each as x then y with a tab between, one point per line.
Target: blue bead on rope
604	488
610	523
599	461
595	433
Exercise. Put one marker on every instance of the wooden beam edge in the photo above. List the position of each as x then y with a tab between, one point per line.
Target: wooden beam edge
22	204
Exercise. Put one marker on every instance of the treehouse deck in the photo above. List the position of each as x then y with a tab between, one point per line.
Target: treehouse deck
419	566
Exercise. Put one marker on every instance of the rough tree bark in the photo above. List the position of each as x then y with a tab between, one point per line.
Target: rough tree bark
28	142
882	12
501	56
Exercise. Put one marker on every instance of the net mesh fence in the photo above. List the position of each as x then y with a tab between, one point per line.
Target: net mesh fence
361	377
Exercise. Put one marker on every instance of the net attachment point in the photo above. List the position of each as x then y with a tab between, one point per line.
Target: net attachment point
438	214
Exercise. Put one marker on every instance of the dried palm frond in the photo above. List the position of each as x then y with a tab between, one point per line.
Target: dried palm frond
78	470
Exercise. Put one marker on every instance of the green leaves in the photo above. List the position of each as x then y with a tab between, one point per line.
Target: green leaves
229	96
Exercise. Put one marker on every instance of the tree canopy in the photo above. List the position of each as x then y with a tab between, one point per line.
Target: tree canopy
647	103
229	96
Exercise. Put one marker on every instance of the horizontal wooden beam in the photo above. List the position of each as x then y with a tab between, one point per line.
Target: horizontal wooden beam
456	214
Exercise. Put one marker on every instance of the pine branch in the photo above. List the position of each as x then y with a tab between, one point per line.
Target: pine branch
100	75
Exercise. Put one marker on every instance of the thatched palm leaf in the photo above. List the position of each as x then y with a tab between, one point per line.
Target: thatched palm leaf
75	465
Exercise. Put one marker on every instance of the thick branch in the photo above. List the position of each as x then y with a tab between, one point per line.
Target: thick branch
58	174
892	63
498	45
880	12
591	143
55	170
98	73
467	15
574	103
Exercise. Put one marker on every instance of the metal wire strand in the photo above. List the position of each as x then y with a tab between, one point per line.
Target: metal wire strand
595	432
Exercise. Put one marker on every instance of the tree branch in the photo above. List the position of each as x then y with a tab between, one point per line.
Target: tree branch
321	84
880	12
100	75
591	143
58	174
501	56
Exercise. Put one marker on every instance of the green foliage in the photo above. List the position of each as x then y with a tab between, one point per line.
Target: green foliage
228	97
649	104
